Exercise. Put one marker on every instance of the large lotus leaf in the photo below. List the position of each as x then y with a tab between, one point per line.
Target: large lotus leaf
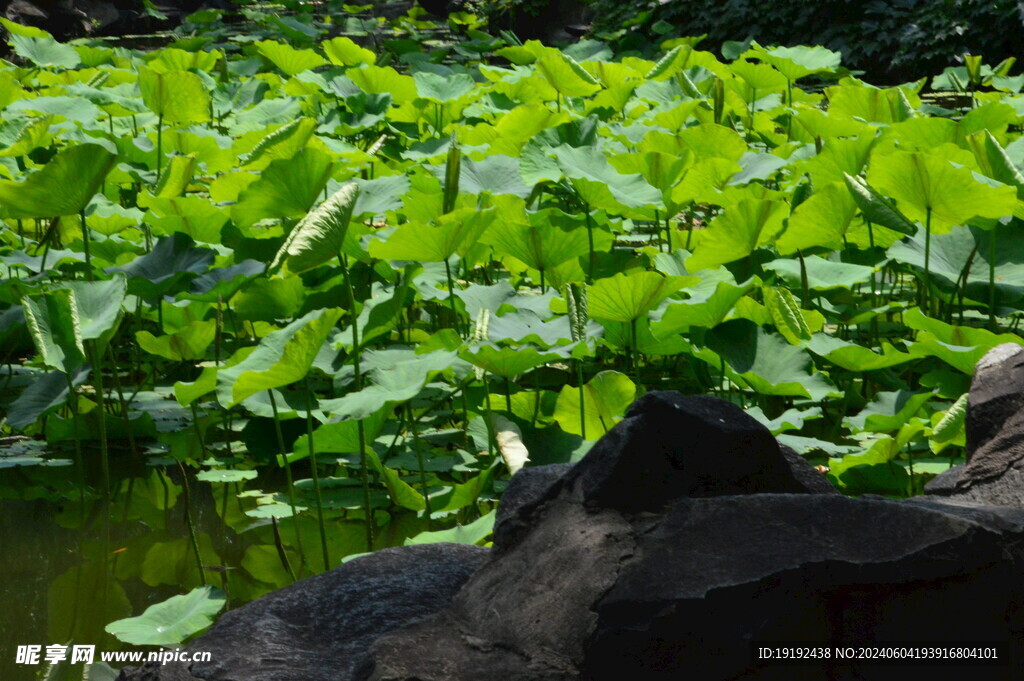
285	188
191	215
509	362
888	411
268	300
710	140
822	275
380	195
823	219
20	136
283	357
760	79
876	208
43	396
799	61
291	61
627	297
526	326
178	97
708	305
566	75
99	305
339	437
172	621
384	79
454	233
541	246
995	162
344	52
64	186
54	324
601	186
438	88
948	256
473	533
283	142
172	260
923	184
869	103
959	346
736	232
319	236
765	361
605	400
495	174
44	52
186	344
401	381
222	283
853	357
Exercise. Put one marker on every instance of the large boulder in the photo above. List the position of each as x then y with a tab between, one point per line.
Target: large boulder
994	472
320	628
683	539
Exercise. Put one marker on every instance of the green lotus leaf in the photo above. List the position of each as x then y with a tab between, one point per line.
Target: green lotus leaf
289	60
64	186
172	261
177	97
56	330
566	75
800	61
172	621
283	357
822	275
43	396
344	52
454	233
605	399
924	185
735	233
401	381
285	188
628	297
319	236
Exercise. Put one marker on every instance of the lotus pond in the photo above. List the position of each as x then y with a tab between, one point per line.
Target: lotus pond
271	301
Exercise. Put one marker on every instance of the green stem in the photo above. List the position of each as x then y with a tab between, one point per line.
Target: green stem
991	280
281	554
582	389
191	526
101	413
85	245
590	242
926	298
451	293
423	470
288	475
364	471
159	146
316	476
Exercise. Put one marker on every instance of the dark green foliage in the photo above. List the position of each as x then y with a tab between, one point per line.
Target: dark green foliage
901	39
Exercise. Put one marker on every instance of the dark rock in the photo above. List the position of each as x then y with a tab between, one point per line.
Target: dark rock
320	628
994	472
716	574
671	446
659	557
806	474
526	487
997	393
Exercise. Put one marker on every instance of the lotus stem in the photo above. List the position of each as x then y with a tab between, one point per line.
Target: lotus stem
288	475
316	476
